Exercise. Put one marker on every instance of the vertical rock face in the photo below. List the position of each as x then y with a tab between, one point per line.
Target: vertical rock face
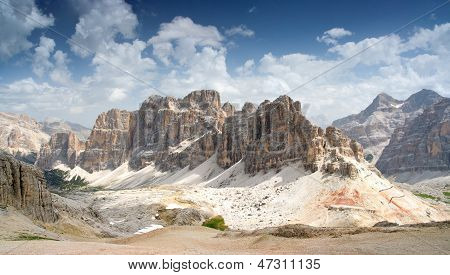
174	133
54	125
110	142
423	143
373	127
63	148
23	187
277	133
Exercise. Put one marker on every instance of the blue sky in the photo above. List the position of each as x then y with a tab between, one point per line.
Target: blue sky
247	50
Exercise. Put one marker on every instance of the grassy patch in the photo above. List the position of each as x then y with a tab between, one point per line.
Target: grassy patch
216	222
447	194
426	196
29	237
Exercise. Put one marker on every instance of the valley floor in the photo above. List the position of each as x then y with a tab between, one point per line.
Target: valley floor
200	240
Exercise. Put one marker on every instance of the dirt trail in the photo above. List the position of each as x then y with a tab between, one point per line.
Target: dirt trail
200	240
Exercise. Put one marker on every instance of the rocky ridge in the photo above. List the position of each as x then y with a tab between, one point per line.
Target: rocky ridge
374	126
23	136
423	143
174	133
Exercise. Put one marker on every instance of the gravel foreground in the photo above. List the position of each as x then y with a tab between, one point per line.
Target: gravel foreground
433	239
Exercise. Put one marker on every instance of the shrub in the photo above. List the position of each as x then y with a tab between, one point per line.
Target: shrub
369	157
61	179
426	196
216	222
28	237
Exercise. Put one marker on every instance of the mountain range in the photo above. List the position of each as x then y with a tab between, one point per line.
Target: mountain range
22	136
374	126
268	163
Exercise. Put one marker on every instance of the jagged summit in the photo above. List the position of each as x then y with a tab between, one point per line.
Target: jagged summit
420	100
374	126
287	169
421	144
174	133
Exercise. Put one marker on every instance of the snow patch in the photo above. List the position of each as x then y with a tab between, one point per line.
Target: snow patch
150	228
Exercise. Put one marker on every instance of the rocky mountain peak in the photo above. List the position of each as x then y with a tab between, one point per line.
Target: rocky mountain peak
373	127
421	144
277	133
248	108
63	148
381	102
174	133
420	100
202	99
228	108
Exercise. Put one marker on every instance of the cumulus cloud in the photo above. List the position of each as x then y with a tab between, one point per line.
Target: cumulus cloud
117	94
41	63
45	62
331	36
61	74
16	27
194	56
101	24
177	40
241	30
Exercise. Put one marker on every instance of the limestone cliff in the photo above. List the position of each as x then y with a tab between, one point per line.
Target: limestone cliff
423	143
277	133
110	141
63	148
172	133
374	126
23	186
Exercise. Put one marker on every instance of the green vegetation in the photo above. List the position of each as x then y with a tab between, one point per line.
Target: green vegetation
28	237
61	179
426	196
369	157
216	222
447	194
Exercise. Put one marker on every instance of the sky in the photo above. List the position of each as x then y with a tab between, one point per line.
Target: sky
74	59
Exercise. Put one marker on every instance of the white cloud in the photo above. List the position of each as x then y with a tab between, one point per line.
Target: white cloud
331	36
252	9
247	68
104	20
240	30
15	27
386	52
41	63
117	95
61	74
177	40
195	57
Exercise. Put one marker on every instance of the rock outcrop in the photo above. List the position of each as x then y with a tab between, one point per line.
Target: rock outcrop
23	186
21	136
423	143
63	148
277	133
110	142
373	127
54	125
172	133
